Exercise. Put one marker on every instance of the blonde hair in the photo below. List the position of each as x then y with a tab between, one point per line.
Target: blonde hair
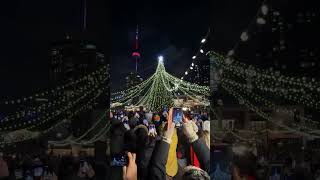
206	137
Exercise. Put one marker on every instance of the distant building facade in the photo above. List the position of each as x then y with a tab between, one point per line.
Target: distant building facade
133	79
70	60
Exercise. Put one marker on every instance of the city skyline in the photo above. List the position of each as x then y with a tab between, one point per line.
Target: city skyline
166	28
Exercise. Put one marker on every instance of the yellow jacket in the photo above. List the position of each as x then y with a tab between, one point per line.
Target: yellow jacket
172	162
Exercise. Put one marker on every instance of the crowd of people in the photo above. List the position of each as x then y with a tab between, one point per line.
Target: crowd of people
151	145
157	148
47	167
153	149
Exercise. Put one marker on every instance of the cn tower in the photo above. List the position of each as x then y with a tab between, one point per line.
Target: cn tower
136	53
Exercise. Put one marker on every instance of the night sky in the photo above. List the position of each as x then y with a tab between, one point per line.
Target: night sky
174	30
27	31
170	28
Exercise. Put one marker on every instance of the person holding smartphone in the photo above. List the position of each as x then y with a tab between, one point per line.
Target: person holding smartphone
157	165
129	172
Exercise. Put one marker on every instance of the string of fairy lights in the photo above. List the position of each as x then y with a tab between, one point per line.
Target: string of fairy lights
259	19
289	88
237	80
254	87
57	106
26	134
224	132
199	52
160	90
246	90
49	110
89	81
82	140
302	131
58	90
127	95
46	116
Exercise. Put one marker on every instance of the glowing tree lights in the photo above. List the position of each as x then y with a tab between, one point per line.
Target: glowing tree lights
160	90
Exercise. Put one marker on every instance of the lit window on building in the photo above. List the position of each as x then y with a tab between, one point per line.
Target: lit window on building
276	13
90	46
54	52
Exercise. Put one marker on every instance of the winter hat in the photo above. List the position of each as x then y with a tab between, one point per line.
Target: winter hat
156	118
141	127
192	172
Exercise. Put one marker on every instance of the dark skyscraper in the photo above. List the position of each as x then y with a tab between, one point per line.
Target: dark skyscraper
72	60
199	73
295	30
133	79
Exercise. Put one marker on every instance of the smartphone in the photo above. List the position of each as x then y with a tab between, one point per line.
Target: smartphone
152	126
177	116
276	171
119	160
220	162
38	171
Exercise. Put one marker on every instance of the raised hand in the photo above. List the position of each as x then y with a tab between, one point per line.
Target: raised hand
190	129
130	171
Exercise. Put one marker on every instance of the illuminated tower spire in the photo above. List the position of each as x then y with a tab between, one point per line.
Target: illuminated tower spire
136	53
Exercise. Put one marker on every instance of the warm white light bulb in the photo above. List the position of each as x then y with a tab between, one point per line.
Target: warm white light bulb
193	57
244	36
264	9
203	40
201	50
160	59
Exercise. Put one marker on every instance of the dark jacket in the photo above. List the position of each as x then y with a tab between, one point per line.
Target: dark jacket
203	154
143	159
157	165
117	132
